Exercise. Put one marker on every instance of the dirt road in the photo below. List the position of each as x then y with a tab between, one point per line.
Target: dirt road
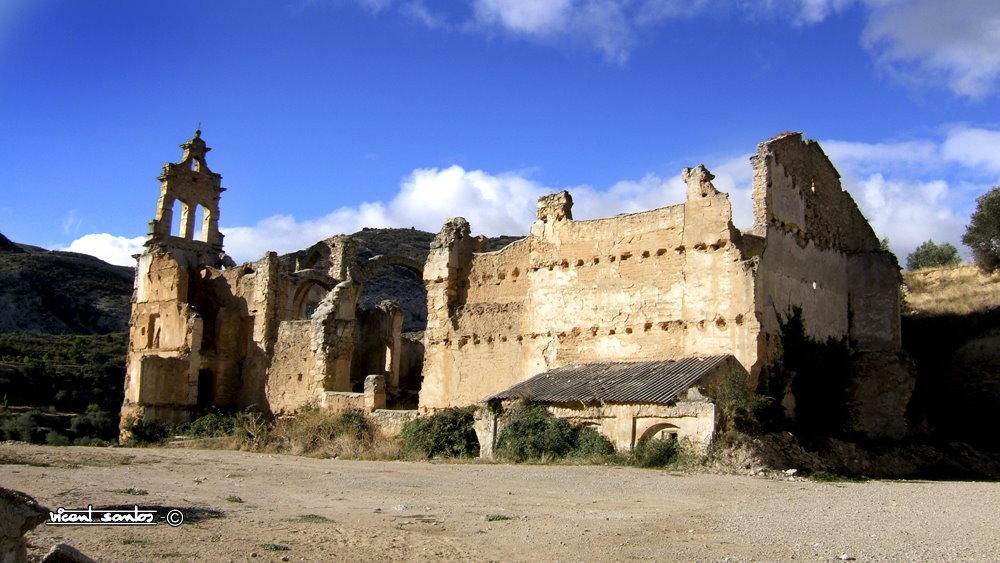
250	507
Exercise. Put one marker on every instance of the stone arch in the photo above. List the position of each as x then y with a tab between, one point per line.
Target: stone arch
308	294
660	431
404	262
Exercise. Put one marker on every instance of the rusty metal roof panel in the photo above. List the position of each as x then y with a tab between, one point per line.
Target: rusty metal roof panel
654	382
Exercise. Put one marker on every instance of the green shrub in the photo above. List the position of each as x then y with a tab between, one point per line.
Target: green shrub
146	432
533	433
23	427
932	255
591	443
655	453
446	433
95	422
353	423
54	438
212	424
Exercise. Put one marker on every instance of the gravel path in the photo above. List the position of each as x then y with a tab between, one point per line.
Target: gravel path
376	511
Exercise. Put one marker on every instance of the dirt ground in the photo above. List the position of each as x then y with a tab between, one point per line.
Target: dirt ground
256	507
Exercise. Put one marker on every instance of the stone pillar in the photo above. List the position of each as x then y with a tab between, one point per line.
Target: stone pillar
552	209
374	392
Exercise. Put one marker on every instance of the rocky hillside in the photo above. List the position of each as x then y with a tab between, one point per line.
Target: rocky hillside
399	284
53	292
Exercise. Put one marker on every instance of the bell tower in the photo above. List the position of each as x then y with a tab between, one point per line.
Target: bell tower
186	187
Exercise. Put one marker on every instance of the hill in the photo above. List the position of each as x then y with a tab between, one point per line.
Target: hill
54	292
399	284
952	329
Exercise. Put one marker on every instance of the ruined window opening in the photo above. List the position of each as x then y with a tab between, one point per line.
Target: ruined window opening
201	222
176	215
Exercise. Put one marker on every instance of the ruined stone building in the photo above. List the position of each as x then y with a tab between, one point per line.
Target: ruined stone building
275	334
672	283
672	294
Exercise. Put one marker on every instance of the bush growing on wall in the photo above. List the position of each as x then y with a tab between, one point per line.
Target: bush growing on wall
446	433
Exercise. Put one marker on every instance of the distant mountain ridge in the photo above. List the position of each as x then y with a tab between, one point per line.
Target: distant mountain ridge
55	292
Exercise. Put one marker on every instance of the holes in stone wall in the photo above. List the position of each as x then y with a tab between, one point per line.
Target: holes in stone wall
645	254
661	251
646	327
579	263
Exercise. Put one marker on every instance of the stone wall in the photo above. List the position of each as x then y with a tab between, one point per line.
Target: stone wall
272	335
668	283
575	291
690	420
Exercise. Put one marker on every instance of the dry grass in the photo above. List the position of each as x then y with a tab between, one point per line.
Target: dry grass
316	433
958	290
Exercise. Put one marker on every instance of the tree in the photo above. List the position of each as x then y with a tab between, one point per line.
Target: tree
931	255
982	234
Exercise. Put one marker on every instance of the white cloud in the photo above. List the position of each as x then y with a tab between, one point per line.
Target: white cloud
603	24
909	212
920	189
494	204
110	248
911	191
921	42
929	41
973	148
815	11
418	11
531	17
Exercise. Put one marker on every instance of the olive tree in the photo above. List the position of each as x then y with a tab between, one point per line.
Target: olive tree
931	255
982	234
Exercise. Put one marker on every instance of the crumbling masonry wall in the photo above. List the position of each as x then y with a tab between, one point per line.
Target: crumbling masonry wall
574	291
273	335
668	283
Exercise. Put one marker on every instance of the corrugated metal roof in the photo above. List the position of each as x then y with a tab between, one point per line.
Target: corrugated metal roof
657	382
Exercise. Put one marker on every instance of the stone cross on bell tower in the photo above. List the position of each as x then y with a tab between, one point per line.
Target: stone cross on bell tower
189	185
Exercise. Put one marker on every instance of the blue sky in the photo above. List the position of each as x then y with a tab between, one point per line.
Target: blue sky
330	115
